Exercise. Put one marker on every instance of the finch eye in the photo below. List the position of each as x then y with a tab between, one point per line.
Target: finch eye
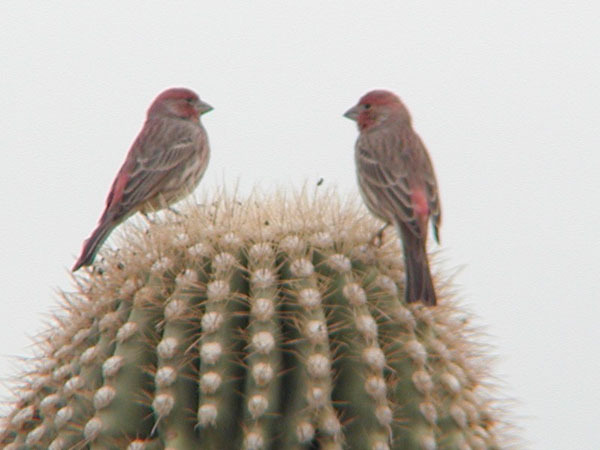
367	106
189	100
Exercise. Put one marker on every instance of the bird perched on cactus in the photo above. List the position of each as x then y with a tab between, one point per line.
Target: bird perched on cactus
397	182
165	163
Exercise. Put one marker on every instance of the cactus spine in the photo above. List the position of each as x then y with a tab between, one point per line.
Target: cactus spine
267	324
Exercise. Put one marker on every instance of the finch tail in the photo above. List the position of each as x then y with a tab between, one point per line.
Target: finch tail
419	285
93	244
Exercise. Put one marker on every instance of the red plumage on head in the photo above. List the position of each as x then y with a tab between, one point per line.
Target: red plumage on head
379	97
172	95
175	94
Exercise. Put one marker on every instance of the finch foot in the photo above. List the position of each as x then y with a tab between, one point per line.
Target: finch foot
377	239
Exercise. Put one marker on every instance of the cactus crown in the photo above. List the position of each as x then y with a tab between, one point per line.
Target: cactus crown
260	324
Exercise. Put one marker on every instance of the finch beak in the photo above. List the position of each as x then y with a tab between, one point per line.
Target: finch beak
352	113
203	107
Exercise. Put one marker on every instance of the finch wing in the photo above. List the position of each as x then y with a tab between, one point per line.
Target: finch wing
432	192
155	158
389	171
386	186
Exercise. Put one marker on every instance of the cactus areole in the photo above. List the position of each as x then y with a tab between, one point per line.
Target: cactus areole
265	323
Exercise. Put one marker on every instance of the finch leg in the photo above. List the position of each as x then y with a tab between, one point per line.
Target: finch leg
377	238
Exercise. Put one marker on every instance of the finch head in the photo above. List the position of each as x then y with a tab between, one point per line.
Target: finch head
179	102
378	108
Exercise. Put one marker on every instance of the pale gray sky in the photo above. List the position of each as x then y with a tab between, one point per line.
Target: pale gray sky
505	94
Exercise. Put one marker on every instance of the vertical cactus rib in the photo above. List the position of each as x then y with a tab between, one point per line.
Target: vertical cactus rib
175	373
313	416
263	348
121	404
361	389
220	347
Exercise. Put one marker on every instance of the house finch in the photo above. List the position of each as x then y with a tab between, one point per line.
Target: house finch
164	164
397	182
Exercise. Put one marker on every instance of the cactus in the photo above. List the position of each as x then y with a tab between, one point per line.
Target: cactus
263	324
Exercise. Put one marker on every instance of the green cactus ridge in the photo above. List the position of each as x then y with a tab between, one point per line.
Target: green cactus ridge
261	324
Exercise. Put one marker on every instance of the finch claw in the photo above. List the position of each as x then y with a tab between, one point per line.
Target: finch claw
377	239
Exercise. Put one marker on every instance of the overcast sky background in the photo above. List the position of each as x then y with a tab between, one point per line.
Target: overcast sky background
505	95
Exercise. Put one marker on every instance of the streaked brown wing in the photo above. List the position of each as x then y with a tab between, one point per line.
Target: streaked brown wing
159	157
385	180
431	189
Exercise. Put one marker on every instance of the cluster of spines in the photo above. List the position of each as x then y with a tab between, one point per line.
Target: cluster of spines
299	323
